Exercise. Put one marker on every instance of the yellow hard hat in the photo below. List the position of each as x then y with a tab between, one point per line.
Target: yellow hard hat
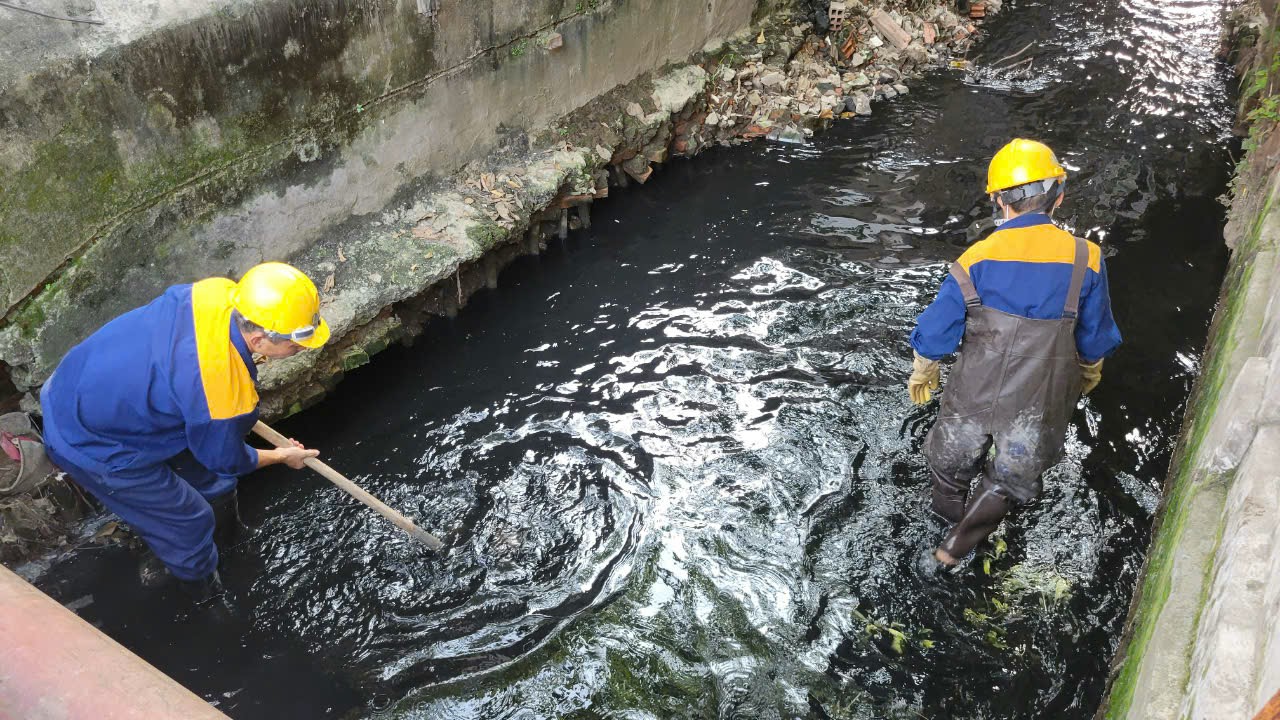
284	301
1020	162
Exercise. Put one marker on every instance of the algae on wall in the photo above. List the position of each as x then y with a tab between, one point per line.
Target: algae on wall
1179	654
93	141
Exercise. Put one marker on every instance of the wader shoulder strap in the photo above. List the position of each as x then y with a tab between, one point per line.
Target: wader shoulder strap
967	289
1071	309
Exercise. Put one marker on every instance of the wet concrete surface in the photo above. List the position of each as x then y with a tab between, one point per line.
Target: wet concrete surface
674	456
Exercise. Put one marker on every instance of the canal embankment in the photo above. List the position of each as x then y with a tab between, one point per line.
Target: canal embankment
1202	638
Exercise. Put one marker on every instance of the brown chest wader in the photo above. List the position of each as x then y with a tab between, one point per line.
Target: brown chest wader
1014	385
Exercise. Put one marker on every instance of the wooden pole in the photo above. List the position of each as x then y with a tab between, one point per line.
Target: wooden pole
265	432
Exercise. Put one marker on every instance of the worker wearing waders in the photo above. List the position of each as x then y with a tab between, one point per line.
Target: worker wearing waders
1028	309
149	414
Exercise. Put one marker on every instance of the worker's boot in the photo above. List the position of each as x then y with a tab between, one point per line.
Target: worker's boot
151	571
204	590
981	518
228	528
210	600
929	568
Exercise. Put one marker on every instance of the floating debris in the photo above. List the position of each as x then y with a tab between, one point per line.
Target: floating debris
787	134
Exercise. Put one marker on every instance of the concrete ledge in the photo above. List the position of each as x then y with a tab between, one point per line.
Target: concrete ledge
56	666
1170	663
1235	628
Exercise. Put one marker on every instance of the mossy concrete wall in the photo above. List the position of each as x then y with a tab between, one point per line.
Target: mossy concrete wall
190	138
1203	635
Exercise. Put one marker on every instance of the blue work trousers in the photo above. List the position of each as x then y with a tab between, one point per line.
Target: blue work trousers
167	505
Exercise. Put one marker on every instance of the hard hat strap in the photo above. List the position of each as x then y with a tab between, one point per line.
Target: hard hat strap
1051	187
1031	189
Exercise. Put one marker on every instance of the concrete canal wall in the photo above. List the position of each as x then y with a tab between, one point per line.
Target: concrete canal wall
1203	637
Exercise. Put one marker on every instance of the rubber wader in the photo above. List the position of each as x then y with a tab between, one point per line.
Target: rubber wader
1015	384
228	529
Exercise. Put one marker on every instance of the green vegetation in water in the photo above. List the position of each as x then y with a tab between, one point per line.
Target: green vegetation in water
1045	584
900	637
1016	588
998	550
649	684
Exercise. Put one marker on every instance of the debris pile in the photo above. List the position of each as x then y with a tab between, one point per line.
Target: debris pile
35	522
786	81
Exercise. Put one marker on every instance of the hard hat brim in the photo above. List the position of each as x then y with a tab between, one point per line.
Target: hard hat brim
319	338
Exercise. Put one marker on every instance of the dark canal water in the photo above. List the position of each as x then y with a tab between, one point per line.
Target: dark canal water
675	457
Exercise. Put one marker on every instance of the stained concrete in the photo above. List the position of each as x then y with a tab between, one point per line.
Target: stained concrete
322	132
29	43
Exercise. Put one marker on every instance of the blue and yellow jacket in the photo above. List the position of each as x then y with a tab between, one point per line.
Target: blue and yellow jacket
1023	269
172	375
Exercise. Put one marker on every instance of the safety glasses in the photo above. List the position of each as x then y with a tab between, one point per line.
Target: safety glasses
301	333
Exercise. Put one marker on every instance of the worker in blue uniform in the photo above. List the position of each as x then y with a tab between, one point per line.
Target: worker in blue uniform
1029	311
149	414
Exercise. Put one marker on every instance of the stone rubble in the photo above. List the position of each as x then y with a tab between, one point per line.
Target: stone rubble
825	77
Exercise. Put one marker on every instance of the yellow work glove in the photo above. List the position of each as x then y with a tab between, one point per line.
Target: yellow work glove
926	375
1092	374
